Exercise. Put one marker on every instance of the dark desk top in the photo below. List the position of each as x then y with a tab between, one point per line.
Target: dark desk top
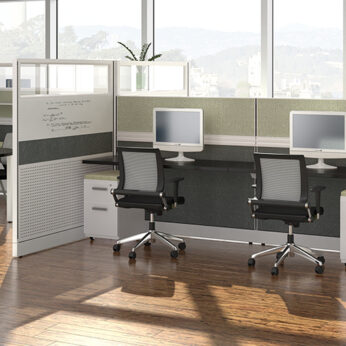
225	166
5	152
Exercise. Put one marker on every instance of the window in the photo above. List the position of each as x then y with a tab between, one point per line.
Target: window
222	40
308	56
22	30
91	29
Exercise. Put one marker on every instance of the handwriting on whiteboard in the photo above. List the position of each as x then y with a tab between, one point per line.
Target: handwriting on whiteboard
55	119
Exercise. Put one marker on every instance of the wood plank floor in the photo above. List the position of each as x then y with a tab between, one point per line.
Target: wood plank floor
83	294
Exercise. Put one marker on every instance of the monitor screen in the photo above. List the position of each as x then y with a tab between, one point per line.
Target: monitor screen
318	131
178	126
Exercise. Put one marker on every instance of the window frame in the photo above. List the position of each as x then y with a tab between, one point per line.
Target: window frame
148	35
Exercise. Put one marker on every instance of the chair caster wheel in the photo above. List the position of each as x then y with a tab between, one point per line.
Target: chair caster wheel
174	254
319	269
182	246
92	238
132	255
116	247
263	244
251	262
275	271
322	259
148	243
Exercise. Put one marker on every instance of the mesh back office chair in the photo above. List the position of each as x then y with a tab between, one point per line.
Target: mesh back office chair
142	185
3	172
282	194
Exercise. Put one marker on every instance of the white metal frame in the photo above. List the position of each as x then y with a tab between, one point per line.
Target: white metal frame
267	41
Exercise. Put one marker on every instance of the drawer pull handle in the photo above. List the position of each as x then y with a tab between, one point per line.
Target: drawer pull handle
99	188
99	208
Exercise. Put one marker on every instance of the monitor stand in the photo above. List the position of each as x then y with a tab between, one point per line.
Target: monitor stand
321	165
180	158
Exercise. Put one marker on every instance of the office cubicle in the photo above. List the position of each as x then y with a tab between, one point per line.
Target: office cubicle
234	129
63	113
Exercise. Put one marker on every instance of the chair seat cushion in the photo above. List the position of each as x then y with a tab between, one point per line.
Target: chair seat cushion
147	202
287	214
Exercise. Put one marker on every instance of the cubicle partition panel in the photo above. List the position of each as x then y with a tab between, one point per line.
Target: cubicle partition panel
63	113
273	117
227	121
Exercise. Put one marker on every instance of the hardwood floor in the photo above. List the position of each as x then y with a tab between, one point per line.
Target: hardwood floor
83	294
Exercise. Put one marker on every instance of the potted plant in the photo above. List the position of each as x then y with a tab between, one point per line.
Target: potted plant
140	75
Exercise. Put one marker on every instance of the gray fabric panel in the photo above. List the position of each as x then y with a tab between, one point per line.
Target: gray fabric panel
281	179
64	147
140	171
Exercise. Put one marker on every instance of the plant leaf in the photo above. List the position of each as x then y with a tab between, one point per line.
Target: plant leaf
142	52
145	51
129	50
154	57
128	57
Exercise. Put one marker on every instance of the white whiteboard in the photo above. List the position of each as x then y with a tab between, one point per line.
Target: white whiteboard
41	117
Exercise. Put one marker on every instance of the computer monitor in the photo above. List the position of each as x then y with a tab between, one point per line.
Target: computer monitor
178	129
318	135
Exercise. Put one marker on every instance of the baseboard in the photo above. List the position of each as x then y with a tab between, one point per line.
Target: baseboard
245	235
47	242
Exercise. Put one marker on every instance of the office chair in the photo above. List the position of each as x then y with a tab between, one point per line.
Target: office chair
282	194
3	172
142	185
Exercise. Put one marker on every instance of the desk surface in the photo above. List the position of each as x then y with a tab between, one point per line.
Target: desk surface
217	165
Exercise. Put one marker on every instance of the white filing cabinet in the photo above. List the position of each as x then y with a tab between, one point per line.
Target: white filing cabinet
100	213
343	226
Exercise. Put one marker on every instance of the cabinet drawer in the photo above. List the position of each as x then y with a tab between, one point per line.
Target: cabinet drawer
100	221
96	191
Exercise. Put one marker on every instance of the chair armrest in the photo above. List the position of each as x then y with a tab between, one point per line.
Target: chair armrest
276	203
176	182
317	190
136	193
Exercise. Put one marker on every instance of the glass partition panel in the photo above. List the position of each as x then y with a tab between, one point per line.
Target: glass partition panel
166	78
152	78
63	79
